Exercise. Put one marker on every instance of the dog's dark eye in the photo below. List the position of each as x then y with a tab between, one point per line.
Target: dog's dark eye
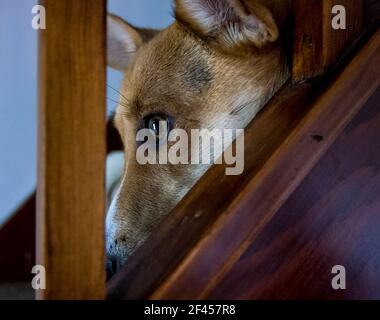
154	124
159	124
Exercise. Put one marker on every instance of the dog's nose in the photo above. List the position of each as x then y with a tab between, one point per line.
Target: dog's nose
111	267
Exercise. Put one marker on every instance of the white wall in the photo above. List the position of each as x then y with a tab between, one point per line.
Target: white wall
18	89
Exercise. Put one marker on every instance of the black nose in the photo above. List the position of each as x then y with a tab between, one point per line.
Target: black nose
111	267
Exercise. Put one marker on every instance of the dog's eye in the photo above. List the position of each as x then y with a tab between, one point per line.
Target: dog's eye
154	124
159	124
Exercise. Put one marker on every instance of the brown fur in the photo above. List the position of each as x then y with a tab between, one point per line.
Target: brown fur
186	72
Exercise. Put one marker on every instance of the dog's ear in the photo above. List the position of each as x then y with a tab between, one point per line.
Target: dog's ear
229	23
123	41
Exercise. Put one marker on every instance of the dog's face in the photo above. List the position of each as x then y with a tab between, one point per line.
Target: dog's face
215	67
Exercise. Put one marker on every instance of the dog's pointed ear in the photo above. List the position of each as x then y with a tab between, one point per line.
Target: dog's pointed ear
123	41
229	23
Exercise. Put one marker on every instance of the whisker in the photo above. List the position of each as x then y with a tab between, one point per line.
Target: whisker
117	91
118	102
241	107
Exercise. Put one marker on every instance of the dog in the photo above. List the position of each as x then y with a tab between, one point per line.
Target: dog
216	66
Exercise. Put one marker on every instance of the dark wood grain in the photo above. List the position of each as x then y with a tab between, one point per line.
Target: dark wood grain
317	46
336	42
371	14
72	129
333	218
308	40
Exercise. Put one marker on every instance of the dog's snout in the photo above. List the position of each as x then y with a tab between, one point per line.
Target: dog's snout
111	266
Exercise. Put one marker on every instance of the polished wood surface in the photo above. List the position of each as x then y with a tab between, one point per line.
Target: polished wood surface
72	129
371	14
333	218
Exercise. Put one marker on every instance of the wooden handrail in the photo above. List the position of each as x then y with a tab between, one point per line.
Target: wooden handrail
330	221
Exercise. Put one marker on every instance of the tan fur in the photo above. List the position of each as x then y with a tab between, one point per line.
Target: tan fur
227	92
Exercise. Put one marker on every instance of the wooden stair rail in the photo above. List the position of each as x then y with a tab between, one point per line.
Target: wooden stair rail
71	166
331	219
206	234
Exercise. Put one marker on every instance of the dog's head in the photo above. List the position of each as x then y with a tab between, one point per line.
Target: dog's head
214	67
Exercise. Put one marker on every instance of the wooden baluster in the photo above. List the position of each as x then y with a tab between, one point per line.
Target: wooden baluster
72	126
